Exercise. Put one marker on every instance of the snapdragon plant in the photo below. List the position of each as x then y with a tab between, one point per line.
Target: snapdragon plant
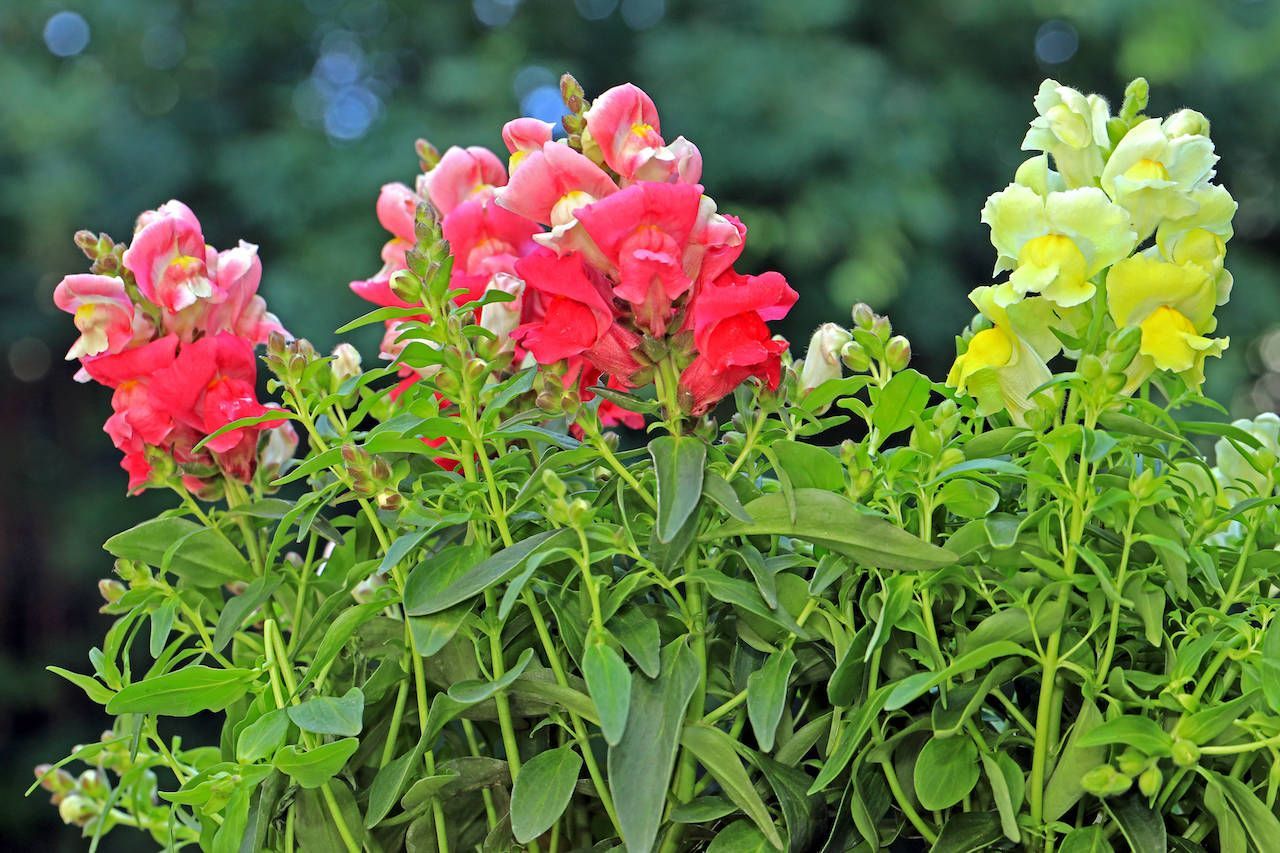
1020	610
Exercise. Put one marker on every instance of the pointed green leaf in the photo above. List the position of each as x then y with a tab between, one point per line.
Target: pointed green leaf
678	463
261	738
330	715
609	683
716	751
184	692
311	768
767	696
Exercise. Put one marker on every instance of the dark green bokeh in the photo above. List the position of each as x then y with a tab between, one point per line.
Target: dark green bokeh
858	141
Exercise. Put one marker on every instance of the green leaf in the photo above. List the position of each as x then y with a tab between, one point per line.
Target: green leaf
1259	820
340	631
311	768
968	832
439	583
1064	789
834	521
609	683
261	738
810	467
703	810
1141	733
1087	839
716	751
161	625
914	686
945	771
330	715
432	633
799	809
968	498
271	416
739	837
640	638
542	792
678	463
900	402
1203	726
718	490
473	692
94	689
239	607
999	786
390	781
640	766
1142	827
379	315
184	692
767	696
202	557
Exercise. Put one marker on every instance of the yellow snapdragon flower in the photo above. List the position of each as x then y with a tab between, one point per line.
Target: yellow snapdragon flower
1153	173
1201	238
1072	128
1055	242
1173	306
1005	363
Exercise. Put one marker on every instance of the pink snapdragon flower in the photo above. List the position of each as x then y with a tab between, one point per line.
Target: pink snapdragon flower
623	123
643	231
242	311
101	310
397	206
461	175
550	187
572	311
523	136
169	259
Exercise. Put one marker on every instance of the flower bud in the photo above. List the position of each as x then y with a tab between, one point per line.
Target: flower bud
822	360
111	590
1144	485
1149	782
93	783
1105	781
406	285
855	357
897	353
428	154
502	318
1185	753
950	457
1131	762
56	781
1186	122
389	499
863	316
882	328
1090	368
552	483
87	242
364	591
75	809
345	364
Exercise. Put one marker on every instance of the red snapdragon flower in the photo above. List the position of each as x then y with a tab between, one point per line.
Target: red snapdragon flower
731	338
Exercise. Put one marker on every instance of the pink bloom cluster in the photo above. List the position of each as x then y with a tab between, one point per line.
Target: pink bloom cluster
602	248
172	333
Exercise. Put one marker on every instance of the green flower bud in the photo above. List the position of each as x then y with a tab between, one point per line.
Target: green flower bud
428	154
1131	762
1144	485
1149	782
75	809
897	353
1186	122
1114	382
56	781
855	357
1185	753
93	783
111	590
552	483
951	456
389	499
1090	368
1105	781
406	285
882	329
863	316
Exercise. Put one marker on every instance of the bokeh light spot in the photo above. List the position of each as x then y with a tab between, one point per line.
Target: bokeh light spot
642	14
66	34
29	359
1056	42
350	113
595	10
543	103
494	13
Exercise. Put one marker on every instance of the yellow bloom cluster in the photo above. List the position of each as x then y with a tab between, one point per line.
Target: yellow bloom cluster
1121	203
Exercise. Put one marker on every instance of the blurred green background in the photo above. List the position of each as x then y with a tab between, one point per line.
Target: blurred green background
857	139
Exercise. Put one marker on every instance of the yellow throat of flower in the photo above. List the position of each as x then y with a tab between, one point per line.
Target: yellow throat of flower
990	348
1053	264
1168	337
1147	169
